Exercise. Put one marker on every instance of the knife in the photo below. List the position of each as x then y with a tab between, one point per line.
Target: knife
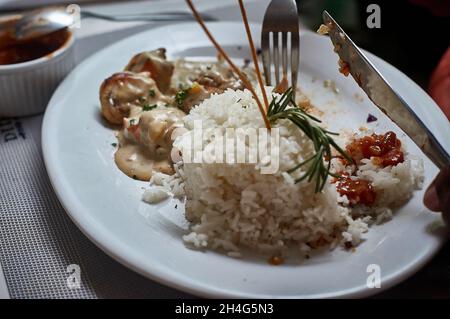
382	94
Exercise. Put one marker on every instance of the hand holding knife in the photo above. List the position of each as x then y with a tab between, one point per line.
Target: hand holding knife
437	196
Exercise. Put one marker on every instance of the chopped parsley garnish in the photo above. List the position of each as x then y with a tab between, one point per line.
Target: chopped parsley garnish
180	97
151	93
134	177
113	144
148	107
142	99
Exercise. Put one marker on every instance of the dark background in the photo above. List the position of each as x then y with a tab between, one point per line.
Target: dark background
414	34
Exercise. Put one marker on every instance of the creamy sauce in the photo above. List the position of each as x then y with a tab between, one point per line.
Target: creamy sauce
136	161
186	72
146	146
143	100
123	91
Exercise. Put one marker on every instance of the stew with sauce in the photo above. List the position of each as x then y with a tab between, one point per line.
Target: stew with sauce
14	51
149	100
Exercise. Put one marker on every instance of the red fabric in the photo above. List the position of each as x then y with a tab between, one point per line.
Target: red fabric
439	87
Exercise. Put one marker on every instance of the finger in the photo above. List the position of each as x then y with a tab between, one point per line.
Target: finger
431	199
446	216
442	186
444	202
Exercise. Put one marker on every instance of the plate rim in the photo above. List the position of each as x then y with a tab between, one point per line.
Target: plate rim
111	245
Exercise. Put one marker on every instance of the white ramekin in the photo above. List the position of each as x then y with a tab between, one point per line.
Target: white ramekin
26	88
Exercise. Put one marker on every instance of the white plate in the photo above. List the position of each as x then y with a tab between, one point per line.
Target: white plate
107	205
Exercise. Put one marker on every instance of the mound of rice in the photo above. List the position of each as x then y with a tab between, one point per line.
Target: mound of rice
232	206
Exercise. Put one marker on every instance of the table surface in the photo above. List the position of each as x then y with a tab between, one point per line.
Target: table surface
432	281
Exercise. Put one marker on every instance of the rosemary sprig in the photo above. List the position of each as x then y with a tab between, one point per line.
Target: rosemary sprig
318	169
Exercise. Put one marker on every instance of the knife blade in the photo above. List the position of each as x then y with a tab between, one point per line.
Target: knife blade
382	94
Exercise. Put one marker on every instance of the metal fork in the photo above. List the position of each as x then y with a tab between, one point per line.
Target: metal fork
280	22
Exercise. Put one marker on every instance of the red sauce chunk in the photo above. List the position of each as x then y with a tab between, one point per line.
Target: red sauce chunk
357	191
385	149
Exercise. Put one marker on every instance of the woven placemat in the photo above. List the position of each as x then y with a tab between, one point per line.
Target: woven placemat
38	242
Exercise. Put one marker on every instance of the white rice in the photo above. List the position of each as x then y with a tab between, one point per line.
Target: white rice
232	206
154	195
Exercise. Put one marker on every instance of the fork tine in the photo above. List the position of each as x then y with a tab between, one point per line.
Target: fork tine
295	57
280	24
265	45
284	53
276	57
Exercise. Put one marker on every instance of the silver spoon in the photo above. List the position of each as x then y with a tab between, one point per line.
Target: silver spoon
41	22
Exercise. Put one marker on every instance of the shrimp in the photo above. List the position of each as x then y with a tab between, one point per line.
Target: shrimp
120	92
154	62
157	127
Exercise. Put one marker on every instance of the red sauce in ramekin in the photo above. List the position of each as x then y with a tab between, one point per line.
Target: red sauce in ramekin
13	51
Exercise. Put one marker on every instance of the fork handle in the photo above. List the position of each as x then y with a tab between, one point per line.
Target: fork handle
164	16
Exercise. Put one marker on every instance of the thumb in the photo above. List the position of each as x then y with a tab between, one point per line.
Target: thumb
437	196
431	199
